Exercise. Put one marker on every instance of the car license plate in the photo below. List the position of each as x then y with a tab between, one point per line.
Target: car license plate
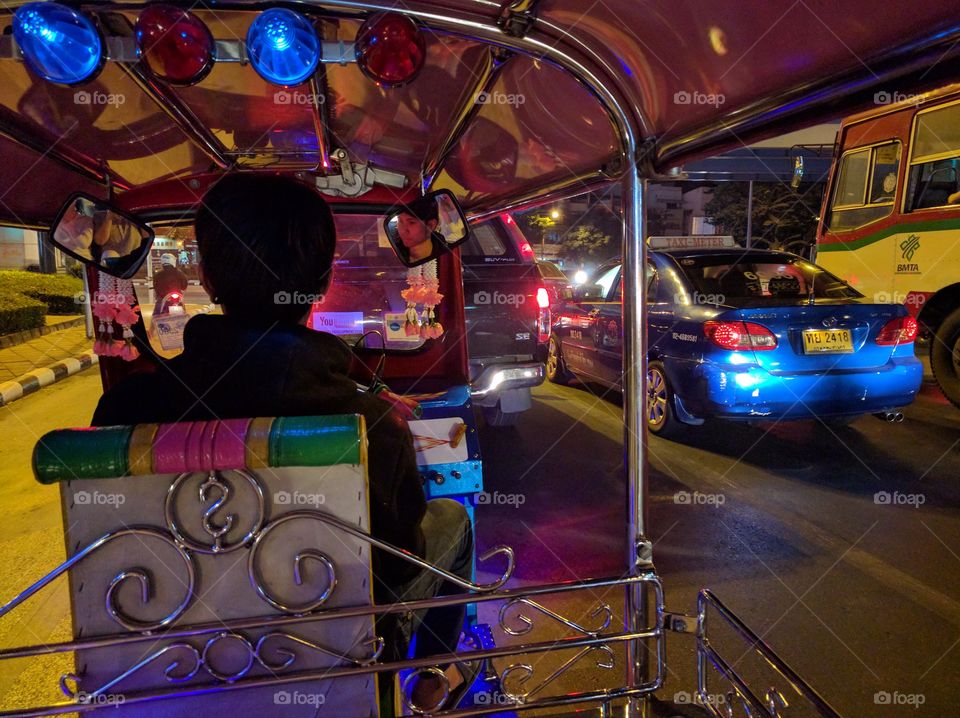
827	341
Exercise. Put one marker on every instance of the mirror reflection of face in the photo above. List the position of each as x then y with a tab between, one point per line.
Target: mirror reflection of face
97	234
415	234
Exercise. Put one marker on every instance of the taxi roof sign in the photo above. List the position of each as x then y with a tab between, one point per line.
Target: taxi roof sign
702	241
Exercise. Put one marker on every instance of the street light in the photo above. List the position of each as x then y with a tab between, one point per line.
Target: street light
554	215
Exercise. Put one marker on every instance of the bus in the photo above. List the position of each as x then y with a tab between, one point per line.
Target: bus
890	223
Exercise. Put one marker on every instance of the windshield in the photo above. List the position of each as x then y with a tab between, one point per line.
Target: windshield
363	301
754	279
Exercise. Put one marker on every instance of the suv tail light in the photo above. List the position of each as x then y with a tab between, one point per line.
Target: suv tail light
740	336
543	299
544	318
901	330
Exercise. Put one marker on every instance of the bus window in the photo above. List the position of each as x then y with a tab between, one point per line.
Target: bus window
866	186
934	160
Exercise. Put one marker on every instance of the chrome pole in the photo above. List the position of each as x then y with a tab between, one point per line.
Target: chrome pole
634	418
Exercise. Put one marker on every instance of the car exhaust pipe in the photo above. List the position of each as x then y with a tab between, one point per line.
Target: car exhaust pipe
892	417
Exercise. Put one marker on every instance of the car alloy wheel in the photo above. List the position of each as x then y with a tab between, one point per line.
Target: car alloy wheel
657	397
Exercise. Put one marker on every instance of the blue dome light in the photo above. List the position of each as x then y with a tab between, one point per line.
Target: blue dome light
283	47
57	42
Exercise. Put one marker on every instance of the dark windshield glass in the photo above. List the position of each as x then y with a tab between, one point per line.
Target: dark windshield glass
735	281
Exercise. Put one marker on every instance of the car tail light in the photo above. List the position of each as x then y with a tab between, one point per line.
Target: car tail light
543	299
543	325
526	251
740	336
901	330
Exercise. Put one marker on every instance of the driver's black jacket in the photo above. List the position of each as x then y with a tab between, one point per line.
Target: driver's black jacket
232	369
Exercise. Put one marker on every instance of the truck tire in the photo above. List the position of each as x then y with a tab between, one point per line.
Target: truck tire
945	357
494	417
556	370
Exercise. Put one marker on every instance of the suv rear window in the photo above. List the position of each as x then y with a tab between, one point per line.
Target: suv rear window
488	245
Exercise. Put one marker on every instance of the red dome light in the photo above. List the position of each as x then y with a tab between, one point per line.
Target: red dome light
176	45
390	49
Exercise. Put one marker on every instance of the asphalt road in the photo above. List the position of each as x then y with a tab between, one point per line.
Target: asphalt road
781	521
841	548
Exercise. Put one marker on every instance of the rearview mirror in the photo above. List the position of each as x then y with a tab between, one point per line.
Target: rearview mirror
94	232
426	228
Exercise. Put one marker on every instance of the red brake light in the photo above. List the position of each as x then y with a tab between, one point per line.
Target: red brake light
901	330
390	49
740	336
176	45
174	296
526	250
543	299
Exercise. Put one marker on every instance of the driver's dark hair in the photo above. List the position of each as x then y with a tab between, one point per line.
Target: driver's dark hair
266	243
424	209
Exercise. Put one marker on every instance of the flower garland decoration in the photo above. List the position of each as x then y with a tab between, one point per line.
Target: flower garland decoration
422	286
115	303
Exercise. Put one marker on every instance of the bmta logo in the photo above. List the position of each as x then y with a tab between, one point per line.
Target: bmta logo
909	246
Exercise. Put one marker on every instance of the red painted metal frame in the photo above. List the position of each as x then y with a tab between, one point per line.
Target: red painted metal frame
440	362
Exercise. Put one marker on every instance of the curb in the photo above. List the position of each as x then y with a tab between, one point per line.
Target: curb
12	340
34	380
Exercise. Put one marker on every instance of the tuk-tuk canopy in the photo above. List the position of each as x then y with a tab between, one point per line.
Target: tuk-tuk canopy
491	116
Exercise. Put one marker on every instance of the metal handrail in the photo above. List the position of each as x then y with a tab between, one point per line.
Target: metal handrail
706	652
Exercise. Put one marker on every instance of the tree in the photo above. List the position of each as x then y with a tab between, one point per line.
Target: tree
783	218
586	243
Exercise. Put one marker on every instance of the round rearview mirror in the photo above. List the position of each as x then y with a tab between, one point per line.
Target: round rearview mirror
426	228
94	232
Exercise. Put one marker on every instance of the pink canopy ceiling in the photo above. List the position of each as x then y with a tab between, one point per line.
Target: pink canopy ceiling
691	78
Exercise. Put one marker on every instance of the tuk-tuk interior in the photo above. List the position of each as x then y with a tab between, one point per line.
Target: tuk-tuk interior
512	105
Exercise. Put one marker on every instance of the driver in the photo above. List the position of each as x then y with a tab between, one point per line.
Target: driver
266	247
417	226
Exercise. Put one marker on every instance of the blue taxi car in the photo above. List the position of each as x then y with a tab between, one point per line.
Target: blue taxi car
743	334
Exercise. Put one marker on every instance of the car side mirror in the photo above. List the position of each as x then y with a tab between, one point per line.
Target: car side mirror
588	292
95	232
424	229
